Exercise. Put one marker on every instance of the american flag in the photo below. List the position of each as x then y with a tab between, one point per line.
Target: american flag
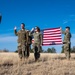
51	36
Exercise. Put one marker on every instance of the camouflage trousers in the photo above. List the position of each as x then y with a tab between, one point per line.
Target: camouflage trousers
37	49
28	50
67	50
23	51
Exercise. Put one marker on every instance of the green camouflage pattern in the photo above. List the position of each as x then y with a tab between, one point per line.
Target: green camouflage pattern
22	42
67	44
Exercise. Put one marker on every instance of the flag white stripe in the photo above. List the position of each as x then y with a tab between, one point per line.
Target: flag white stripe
52	30
56	35
45	38
51	40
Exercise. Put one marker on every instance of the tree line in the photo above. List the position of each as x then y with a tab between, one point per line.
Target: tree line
49	50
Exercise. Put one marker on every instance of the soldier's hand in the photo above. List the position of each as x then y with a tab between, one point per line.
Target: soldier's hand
32	29
15	28
60	28
27	31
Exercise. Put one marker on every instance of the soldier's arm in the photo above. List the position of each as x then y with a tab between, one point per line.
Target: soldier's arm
63	32
31	33
41	39
27	36
68	37
16	33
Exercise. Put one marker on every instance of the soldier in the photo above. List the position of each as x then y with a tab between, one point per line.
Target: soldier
22	41
29	42
67	43
37	42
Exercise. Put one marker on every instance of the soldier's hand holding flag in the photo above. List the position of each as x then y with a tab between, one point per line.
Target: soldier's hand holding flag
60	28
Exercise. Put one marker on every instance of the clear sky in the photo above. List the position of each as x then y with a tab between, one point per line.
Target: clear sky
42	13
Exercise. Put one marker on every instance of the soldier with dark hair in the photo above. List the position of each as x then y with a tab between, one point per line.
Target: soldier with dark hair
37	42
67	42
22	41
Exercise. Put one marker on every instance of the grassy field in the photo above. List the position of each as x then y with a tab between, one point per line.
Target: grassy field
48	64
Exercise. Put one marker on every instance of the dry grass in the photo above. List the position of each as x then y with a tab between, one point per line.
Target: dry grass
48	64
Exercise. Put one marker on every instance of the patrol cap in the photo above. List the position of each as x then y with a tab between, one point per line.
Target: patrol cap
68	27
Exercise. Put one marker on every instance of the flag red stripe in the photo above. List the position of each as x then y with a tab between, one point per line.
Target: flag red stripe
51	36
51	33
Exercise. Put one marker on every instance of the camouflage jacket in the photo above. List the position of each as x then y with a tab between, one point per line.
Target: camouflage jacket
37	37
67	37
29	39
22	36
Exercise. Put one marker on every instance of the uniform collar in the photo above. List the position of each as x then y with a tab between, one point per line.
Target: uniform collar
22	29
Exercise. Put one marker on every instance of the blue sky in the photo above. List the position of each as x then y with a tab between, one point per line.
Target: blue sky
42	13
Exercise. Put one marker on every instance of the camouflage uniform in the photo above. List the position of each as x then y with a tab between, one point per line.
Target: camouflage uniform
29	41
37	44
67	44
22	42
